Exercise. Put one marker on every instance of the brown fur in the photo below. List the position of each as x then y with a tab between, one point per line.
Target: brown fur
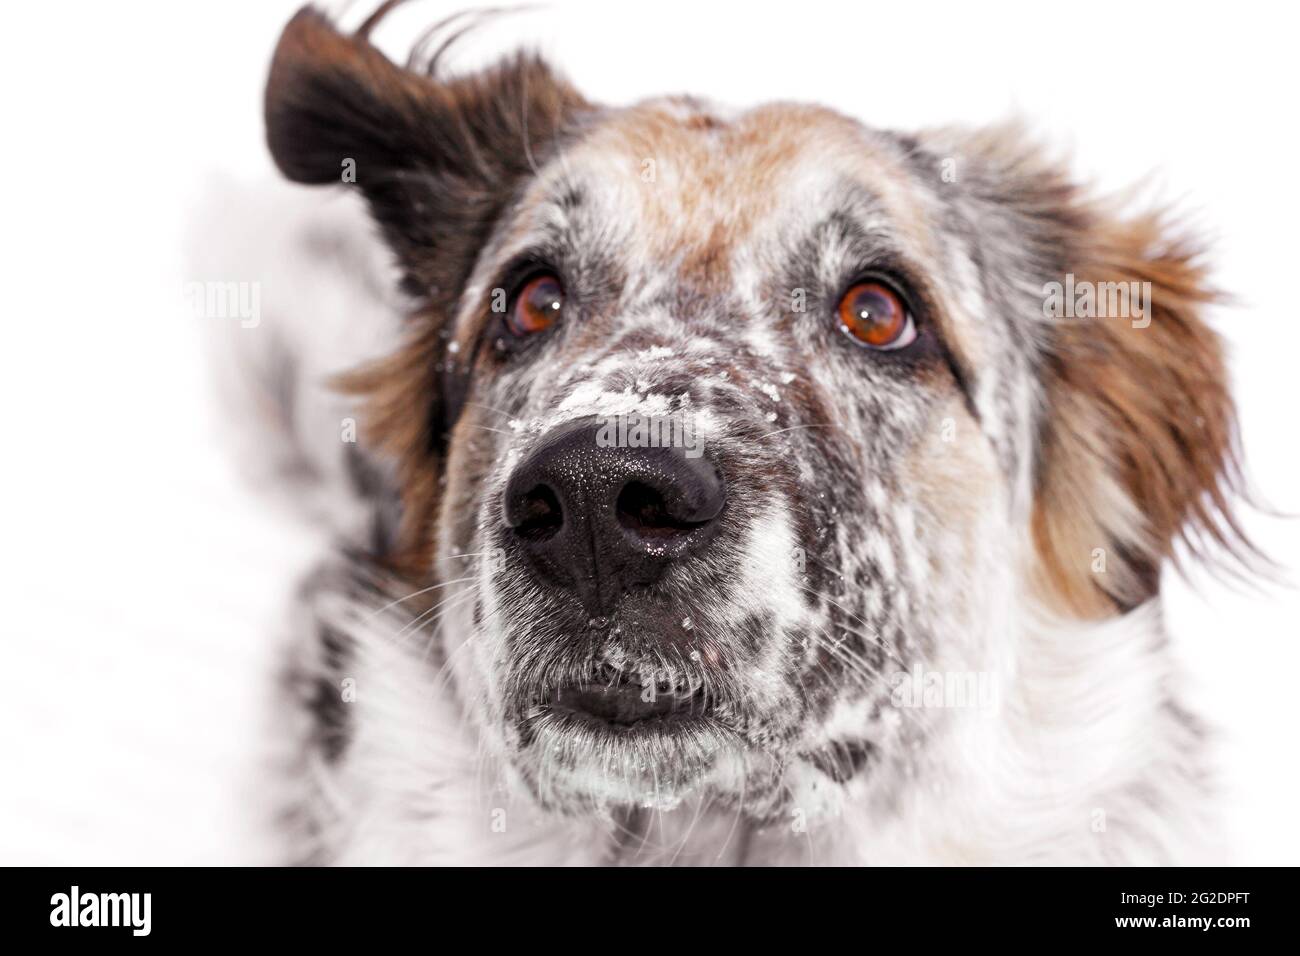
392	388
1148	407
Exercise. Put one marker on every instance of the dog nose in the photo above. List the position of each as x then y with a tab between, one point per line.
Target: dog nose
601	520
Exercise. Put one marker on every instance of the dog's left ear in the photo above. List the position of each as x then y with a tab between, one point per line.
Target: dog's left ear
1138	444
436	159
1137	436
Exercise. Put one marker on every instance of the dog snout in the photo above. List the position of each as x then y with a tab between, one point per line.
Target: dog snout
600	520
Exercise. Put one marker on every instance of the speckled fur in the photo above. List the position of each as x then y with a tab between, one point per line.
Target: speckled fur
880	523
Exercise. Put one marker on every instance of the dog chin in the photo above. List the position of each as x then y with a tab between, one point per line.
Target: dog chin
577	764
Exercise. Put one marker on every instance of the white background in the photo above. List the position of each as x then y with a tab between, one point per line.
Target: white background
140	581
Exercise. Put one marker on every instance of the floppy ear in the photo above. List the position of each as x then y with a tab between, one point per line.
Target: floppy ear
1137	438
1138	444
437	161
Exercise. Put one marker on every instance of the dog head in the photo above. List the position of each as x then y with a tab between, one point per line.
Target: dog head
713	424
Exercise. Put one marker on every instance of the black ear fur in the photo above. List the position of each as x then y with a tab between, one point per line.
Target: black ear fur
436	160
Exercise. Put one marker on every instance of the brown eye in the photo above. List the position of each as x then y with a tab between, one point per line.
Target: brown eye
537	306
875	316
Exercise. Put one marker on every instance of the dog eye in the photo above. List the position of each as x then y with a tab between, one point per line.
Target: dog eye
537	306
875	316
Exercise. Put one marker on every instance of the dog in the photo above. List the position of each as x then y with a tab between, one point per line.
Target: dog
728	487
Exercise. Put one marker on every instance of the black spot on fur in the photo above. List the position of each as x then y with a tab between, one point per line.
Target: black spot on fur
332	724
843	759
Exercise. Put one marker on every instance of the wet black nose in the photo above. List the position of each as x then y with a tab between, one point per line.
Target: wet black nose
603	520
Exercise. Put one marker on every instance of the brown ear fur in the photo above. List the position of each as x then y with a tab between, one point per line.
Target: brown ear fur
1138	440
401	420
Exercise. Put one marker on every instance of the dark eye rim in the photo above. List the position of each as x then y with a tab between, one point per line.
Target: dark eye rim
516	278
899	288
512	300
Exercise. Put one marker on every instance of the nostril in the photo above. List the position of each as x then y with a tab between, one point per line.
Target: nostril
600	520
644	511
539	515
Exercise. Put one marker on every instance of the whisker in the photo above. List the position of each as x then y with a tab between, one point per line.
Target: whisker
740	808
780	431
492	408
873	637
414	594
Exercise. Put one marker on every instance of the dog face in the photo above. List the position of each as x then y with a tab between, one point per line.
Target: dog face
715	428
705	609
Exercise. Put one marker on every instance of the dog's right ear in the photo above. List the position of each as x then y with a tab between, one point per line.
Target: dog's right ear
436	160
